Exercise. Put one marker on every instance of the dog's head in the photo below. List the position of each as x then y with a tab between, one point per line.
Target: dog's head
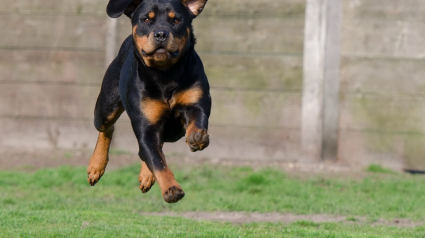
162	29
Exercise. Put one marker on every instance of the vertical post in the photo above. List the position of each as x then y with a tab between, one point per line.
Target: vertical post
111	41
320	100
331	80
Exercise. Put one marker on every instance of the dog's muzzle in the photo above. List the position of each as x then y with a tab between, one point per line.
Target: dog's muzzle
161	35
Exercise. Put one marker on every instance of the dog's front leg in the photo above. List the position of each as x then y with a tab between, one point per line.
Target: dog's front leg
150	151
196	123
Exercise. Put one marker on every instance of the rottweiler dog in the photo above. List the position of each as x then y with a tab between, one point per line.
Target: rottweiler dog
159	80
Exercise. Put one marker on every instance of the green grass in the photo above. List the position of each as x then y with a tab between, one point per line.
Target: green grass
375	168
59	203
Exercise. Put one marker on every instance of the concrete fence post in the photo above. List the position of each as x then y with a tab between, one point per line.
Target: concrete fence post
320	99
111	41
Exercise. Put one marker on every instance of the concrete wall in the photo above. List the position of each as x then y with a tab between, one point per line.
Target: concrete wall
52	63
383	83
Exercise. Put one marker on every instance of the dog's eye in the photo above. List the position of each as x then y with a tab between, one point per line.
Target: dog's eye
176	21
147	20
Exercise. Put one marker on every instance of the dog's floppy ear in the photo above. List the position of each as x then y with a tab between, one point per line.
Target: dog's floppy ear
116	8
195	6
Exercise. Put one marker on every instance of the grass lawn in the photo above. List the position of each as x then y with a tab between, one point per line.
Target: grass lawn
59	203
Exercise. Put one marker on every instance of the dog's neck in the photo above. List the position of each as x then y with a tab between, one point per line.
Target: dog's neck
166	80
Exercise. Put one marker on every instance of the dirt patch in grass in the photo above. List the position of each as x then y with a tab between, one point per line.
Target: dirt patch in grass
246	217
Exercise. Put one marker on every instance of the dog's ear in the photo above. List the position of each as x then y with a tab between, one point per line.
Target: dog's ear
116	8
195	6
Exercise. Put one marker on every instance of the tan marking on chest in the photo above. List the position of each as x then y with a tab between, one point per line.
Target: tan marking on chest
153	109
187	97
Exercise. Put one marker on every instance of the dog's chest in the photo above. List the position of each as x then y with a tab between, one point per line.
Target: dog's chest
155	109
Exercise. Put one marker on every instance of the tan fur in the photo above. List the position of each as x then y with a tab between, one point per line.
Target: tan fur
148	45
146	178
151	15
153	109
144	43
187	97
166	179
171	15
191	128
99	159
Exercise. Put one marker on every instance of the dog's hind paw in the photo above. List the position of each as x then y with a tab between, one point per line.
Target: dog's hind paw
173	194
198	140
93	175
146	179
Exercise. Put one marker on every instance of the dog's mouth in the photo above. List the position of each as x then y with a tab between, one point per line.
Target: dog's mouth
160	52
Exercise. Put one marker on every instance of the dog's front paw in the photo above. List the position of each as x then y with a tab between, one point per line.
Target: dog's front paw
146	179
198	140
173	194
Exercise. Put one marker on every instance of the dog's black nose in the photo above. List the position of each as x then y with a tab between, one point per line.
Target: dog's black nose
161	35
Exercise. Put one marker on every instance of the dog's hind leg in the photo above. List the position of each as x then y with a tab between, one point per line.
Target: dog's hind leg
146	178
107	111
99	159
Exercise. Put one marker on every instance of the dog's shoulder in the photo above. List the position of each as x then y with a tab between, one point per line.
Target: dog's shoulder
125	49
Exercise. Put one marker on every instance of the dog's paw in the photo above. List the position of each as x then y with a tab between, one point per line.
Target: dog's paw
173	194
146	180
94	174
198	140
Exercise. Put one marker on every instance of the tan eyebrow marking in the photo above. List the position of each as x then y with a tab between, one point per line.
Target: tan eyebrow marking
171	15
151	15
